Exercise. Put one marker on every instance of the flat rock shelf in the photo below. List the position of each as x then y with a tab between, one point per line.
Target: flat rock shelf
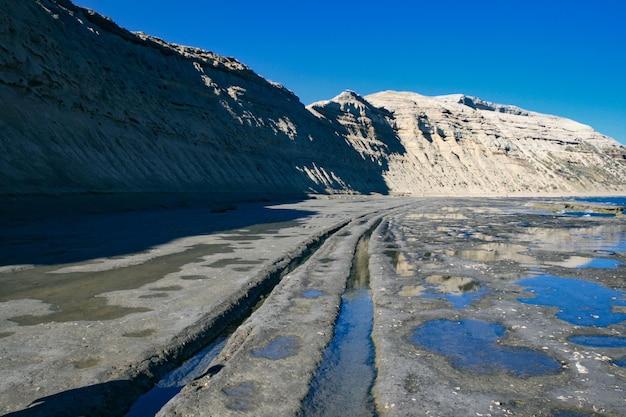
480	307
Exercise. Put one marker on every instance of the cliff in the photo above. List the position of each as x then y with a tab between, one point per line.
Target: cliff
88	107
463	145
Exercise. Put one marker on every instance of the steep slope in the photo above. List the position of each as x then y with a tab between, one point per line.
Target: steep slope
364	126
89	107
464	145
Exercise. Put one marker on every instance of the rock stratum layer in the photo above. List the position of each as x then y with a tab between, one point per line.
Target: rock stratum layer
87	106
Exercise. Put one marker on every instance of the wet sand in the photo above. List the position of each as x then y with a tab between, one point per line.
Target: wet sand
138	292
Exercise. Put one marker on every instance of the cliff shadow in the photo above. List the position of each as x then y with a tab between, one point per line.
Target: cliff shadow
108	399
370	132
54	230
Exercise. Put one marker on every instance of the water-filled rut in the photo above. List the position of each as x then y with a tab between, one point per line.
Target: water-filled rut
342	385
269	364
199	365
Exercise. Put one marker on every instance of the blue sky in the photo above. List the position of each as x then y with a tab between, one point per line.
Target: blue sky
566	58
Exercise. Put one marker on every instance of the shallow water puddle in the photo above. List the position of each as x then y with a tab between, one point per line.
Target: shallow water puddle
567	413
473	345
587	213
579	302
602	263
400	263
344	379
282	347
599	341
312	294
151	402
458	291
233	261
581	262
498	251
604	240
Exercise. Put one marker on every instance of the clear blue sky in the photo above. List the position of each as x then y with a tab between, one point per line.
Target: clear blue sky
562	57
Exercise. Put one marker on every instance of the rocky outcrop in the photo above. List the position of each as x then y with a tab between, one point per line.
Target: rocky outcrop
463	145
365	127
479	104
88	107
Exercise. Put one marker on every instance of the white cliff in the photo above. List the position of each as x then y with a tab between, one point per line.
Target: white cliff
463	145
88	107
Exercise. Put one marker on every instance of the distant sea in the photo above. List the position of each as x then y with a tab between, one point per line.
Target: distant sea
618	201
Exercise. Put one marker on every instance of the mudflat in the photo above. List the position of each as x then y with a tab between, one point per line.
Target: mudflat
480	306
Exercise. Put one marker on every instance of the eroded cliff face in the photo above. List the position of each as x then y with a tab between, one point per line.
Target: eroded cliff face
90	107
463	145
86	106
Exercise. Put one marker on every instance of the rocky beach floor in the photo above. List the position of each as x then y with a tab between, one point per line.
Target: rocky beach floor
478	307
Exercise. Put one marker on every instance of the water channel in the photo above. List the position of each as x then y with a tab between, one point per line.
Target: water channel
347	370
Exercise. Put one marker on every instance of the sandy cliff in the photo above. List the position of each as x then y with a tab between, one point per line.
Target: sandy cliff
464	145
86	106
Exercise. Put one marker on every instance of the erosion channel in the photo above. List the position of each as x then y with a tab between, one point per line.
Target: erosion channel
343	383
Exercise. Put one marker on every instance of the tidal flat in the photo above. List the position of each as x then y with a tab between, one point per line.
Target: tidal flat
487	306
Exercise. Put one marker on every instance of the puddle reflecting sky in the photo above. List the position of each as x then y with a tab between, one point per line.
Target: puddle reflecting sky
607	238
172	383
344	379
579	302
599	341
585	262
498	251
601	238
567	413
459	291
279	348
602	263
587	213
473	345
312	294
